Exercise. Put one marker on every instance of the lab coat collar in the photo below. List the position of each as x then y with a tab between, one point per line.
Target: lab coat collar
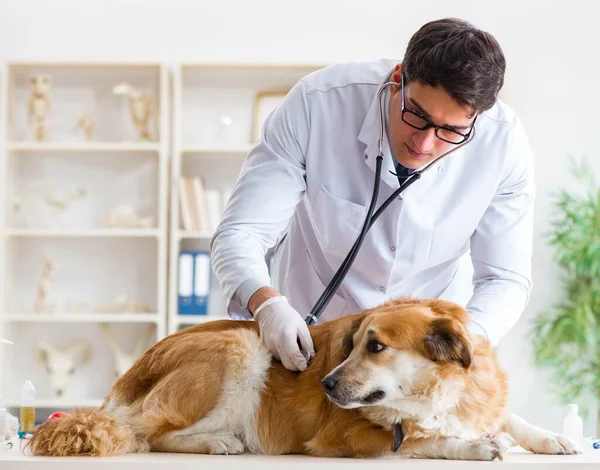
369	135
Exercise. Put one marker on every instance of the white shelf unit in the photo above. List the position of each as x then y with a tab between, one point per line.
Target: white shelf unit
81	317
96	264
58	403
205	96
75	233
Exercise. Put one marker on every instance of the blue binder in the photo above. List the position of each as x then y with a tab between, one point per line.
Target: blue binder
201	293
193	282
185	283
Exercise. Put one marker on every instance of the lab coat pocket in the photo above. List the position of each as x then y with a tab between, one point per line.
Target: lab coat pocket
336	306
338	221
303	286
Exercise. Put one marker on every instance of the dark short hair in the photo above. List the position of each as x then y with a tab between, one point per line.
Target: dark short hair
466	61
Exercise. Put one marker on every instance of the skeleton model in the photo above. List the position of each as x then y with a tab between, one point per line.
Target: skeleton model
124	305
123	360
61	363
125	216
41	200
87	123
39	105
44	302
140	107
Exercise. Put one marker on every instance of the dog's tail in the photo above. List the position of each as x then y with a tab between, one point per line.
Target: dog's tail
85	432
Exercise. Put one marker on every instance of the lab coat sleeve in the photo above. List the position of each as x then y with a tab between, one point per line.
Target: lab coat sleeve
501	246
270	185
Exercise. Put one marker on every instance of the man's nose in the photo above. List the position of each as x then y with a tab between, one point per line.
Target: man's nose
424	140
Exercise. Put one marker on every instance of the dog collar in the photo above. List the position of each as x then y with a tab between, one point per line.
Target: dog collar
398	437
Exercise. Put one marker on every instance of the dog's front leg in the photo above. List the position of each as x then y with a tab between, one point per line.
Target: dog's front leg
538	440
484	448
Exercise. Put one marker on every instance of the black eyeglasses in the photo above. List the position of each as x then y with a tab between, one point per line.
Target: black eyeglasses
417	121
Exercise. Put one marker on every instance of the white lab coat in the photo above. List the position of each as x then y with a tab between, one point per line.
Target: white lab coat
463	232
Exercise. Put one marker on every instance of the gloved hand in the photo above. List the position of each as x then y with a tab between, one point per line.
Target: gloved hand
280	329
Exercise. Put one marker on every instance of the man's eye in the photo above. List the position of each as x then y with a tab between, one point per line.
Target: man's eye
375	346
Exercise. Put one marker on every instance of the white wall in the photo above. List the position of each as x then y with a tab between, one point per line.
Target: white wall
552	81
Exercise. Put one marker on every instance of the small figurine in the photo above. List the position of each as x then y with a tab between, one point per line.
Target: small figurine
44	303
122	304
39	105
124	360
141	108
223	126
125	216
42	204
88	124
61	363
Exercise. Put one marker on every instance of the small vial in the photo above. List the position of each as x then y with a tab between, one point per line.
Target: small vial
573	424
27	409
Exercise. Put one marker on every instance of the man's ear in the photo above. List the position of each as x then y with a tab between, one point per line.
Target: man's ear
396	75
445	342
348	340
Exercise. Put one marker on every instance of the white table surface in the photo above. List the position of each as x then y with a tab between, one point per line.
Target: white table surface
515	458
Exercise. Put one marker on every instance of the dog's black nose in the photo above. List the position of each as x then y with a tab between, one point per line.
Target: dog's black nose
329	383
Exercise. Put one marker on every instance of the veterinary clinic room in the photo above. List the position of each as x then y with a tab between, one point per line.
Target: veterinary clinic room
256	235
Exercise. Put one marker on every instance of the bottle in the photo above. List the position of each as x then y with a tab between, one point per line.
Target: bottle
3	422
27	409
573	424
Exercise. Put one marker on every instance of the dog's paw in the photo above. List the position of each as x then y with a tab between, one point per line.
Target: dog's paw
489	448
553	444
226	444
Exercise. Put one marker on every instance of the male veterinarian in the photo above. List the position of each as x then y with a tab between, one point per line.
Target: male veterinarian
462	232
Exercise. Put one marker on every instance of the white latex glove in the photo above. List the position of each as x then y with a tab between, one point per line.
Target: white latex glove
280	328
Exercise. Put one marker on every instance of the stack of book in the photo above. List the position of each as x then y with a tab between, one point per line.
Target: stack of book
201	208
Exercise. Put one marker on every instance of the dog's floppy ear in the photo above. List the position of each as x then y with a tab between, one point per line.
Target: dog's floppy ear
446	343
348	341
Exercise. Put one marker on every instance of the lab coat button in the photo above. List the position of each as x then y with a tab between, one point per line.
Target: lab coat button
382	289
366	156
393	248
440	169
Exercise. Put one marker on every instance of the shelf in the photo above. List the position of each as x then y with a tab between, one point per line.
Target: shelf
190	234
193	319
84	146
59	403
50	254
268	67
81	318
217	151
91	233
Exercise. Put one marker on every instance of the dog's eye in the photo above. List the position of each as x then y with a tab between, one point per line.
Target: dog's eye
375	346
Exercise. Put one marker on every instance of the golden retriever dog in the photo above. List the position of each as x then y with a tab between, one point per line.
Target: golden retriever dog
404	379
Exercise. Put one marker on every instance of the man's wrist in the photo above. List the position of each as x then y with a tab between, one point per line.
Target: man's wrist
247	288
261	295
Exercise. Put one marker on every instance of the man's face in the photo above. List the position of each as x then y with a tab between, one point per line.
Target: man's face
414	148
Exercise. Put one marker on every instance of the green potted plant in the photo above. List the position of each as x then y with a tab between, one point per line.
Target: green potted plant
567	339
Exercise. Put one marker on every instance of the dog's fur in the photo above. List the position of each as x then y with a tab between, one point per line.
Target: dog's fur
214	388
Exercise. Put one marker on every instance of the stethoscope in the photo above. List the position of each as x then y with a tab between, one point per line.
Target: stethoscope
371	216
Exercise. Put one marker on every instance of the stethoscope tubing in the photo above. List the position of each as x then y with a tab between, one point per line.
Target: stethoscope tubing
371	216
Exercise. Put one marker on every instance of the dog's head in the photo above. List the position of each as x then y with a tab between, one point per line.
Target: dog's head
399	352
